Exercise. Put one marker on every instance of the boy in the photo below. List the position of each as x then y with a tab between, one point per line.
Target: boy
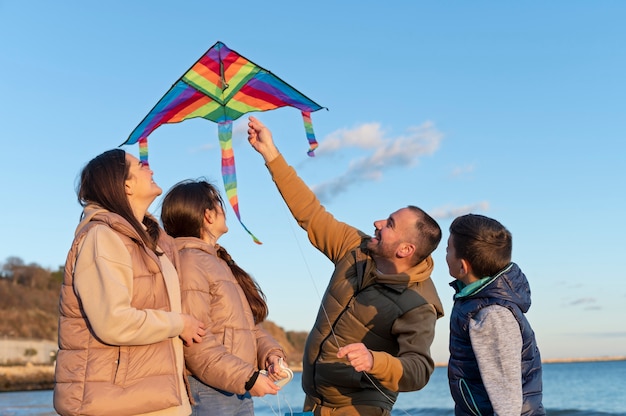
495	365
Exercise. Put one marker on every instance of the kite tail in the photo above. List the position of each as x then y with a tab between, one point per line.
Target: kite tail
143	151
310	134
225	133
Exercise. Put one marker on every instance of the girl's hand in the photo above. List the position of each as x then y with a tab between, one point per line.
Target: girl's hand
275	369
263	386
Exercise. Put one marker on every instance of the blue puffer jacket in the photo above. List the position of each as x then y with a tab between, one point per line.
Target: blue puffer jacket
510	289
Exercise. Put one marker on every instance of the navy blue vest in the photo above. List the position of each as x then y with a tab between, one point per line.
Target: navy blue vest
510	290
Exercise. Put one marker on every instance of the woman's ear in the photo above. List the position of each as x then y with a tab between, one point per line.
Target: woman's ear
127	188
209	216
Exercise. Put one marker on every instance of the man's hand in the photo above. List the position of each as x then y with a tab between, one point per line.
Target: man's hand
358	356
260	138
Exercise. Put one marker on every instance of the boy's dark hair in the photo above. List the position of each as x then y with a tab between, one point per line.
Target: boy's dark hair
483	242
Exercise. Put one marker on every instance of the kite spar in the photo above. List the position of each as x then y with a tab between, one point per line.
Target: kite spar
221	87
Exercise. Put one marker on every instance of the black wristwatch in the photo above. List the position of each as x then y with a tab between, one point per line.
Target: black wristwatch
252	380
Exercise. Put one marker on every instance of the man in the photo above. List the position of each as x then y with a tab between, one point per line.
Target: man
376	323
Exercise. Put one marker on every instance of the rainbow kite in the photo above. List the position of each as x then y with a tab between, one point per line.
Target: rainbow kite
222	86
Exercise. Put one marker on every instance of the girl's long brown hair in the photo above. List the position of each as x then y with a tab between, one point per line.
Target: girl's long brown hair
182	215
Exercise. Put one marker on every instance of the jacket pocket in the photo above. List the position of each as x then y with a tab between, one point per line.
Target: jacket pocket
468	398
120	370
228	339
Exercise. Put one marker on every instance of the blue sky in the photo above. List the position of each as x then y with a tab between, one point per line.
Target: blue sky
511	110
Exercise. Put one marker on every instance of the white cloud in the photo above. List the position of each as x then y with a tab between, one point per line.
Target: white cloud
583	301
365	136
448	212
462	170
240	133
207	147
386	153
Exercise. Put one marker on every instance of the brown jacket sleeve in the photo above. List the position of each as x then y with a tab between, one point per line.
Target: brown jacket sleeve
210	361
332	237
410	370
266	346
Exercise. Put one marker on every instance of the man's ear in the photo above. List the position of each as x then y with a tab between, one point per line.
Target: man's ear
405	250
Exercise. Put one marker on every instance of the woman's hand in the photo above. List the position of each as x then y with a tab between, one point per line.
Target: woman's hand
193	330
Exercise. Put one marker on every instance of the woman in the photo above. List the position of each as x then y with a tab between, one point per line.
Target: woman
225	367
120	315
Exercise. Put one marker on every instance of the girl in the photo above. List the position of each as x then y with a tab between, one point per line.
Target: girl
225	368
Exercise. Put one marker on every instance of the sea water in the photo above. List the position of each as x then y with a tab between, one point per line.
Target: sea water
569	389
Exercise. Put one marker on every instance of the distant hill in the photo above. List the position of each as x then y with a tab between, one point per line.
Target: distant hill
29	302
291	341
29	312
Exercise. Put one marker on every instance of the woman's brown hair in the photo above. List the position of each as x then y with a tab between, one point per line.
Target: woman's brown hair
102	182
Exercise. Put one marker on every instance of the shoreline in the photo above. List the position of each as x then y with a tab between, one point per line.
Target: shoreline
569	360
30	377
26	377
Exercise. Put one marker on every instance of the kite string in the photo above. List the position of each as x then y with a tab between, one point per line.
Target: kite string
277	411
308	269
332	330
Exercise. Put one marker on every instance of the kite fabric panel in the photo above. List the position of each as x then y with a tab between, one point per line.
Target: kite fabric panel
221	87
